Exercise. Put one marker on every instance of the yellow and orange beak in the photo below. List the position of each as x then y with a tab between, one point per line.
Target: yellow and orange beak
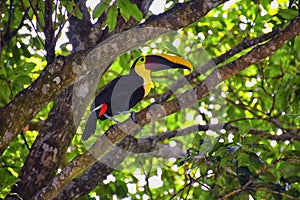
163	61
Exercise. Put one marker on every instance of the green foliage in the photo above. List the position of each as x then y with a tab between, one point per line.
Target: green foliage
124	7
100	8
264	98
111	19
128	9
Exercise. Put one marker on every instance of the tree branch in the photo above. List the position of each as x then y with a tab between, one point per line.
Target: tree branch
249	184
63	72
106	165
48	148
49	32
34	173
149	144
154	112
215	61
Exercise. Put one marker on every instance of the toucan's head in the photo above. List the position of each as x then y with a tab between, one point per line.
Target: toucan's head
160	62
143	65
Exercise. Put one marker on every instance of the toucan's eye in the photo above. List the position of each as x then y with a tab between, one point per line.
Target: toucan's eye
142	59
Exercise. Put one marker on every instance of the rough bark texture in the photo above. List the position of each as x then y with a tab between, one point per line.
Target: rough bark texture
64	71
154	112
41	164
34	174
45	155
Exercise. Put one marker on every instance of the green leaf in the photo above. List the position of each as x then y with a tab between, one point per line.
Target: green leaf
255	160
111	19
128	9
268	176
289	169
22	80
288	13
244	126
4	94
99	9
123	9
26	3
296	145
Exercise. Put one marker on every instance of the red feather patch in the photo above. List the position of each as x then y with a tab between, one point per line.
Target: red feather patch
102	110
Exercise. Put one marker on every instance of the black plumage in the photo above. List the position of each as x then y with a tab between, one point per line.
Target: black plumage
124	92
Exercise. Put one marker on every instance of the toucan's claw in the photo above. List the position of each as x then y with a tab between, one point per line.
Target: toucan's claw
132	116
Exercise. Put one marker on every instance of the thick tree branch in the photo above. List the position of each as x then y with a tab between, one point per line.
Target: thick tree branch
215	61
34	173
102	168
63	72
106	165
154	112
48	148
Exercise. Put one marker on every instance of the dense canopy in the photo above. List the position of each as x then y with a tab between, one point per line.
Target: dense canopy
230	129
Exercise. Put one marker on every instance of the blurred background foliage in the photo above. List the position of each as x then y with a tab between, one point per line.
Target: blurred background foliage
264	97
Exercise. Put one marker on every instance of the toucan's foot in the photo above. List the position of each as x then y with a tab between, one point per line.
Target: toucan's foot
111	118
132	116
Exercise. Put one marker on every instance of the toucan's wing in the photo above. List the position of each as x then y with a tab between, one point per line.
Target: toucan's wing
119	93
90	126
105	94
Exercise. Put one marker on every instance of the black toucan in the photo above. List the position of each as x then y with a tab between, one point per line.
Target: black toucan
126	91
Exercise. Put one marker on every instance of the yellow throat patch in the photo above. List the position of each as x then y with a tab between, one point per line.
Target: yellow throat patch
145	74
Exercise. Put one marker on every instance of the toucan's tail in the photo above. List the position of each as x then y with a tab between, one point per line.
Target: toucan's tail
90	126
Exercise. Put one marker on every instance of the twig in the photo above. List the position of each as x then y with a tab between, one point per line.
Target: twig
30	20
25	141
9	35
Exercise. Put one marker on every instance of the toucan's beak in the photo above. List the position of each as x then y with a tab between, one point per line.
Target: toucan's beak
163	61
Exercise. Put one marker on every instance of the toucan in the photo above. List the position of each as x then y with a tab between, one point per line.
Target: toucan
124	92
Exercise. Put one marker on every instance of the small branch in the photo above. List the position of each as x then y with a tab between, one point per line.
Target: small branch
63	23
34	9
147	175
49	32
10	16
236	191
276	192
25	141
30	20
249	184
226	126
9	35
